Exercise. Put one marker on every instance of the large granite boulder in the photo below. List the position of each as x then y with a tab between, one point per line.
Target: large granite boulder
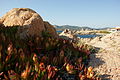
31	23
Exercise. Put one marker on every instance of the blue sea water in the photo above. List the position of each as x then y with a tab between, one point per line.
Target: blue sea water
84	36
88	36
59	31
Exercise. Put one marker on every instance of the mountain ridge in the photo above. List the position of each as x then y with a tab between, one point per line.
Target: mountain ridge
62	27
71	27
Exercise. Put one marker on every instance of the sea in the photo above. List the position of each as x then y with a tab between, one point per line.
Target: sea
88	36
84	36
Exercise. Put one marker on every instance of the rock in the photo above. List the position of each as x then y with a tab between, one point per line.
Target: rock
1	24
94	40
50	29
31	23
68	34
110	41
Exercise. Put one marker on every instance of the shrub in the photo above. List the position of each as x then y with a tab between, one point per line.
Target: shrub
42	58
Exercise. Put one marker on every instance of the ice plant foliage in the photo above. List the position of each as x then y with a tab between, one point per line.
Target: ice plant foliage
42	58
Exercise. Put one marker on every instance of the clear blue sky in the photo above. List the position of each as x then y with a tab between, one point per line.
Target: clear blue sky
92	13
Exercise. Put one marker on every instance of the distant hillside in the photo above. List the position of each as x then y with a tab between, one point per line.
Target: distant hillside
71	27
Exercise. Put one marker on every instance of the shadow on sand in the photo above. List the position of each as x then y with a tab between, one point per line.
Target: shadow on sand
96	62
105	77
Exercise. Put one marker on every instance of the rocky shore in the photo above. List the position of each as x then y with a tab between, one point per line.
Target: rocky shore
107	61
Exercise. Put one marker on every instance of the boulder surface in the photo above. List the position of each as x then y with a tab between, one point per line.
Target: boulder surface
31	22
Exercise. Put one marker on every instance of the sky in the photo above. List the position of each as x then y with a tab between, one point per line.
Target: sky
91	13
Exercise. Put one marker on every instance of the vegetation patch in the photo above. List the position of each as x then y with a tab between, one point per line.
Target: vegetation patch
42	58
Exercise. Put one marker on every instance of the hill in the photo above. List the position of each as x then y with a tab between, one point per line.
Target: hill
71	27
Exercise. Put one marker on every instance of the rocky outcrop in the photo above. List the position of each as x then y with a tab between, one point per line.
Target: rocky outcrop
1	24
50	29
107	60
31	23
110	41
68	34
